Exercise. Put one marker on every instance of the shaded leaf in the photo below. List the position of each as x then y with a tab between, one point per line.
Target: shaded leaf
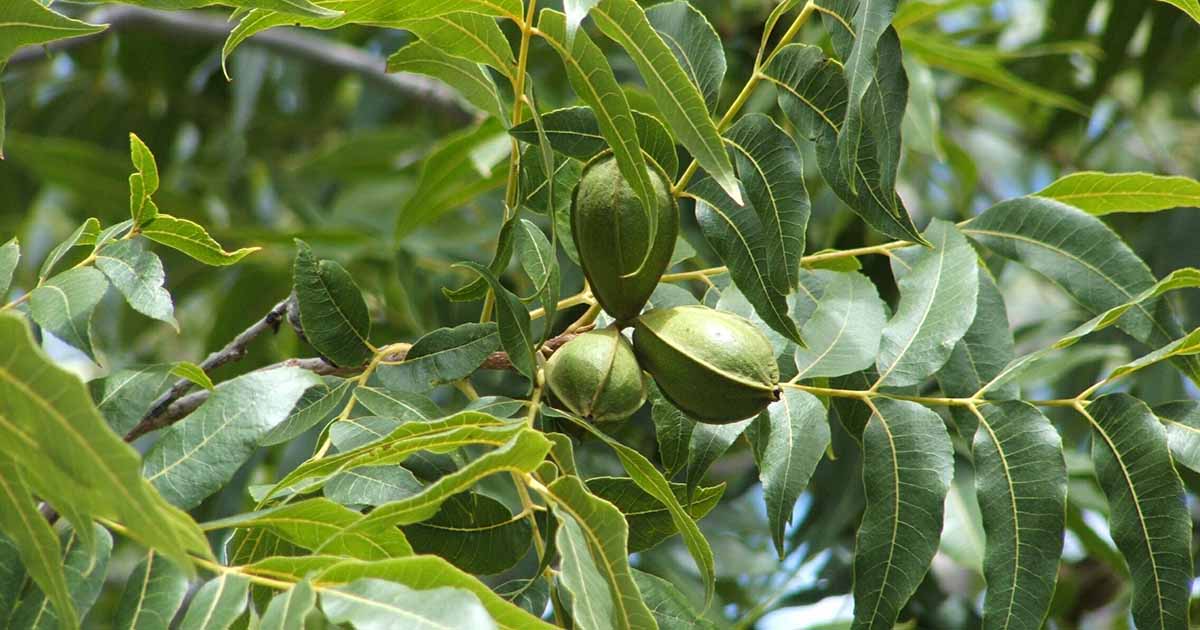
217	604
138	275
540	263
199	455
843	331
333	312
64	305
442	356
673	431
370	604
475	533
671	609
10	254
85	234
513	320
648	518
35	543
318	404
575	132
1181	421
396	405
372	485
907	467
695	44
85	565
467	78
288	609
1191	7
153	594
707	444
124	396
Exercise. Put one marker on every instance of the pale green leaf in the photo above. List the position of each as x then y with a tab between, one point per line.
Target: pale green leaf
671	608
288	609
430	572
1148	516
199	455
442	356
907	466
373	604
193	373
695	44
333	313
789	440
85	566
85	234
938	292
192	239
64	305
1181	420
321	526
217	604
317	405
397	405
372	485
10	254
844	330
592	538
677	97
138	275
35	541
29	22
143	183
466	77
124	396
1085	258
469	36
475	533
1021	484
1105	193
153	594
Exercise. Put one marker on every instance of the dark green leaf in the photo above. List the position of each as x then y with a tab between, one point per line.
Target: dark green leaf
64	305
85	566
575	132
939	288
1181	420
673	431
695	45
153	594
217	604
1021	482
789	440
671	608
907	466
10	254
479	287
1148	516
442	356
199	455
513	320
648	518
333	312
475	533
124	396
707	444
138	275
35	543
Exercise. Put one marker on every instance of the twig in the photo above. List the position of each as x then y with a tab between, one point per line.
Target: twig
233	351
288	41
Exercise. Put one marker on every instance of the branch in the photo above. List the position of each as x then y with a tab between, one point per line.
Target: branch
233	351
293	42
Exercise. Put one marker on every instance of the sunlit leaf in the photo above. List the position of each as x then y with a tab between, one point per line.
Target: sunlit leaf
28	22
1181	420
64	305
1106	193
373	604
10	254
191	239
138	275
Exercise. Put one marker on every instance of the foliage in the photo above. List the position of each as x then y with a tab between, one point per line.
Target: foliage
987	421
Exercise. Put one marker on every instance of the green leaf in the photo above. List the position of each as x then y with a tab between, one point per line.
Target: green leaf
442	356
695	44
318	404
475	533
398	405
540	263
1084	257
1191	7
199	455
592	539
217	604
10	254
861	69
1105	193
907	466
649	520
83	235
333	312
322	526
288	7
789	441
124	396
677	97
537	195
939	288
288	609
594	83
467	78
152	596
575	132
469	36
64	305
1184	278
813	94
138	275
396	15
513	320
143	183
672	431
12	576
737	235
193	240
671	609
707	444
429	572
478	288
1148	515
372	604
521	454
1021	482
193	373
372	485
769	166
1187	346
28	22
450	178
1181	421
85	566
34	540
843	332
